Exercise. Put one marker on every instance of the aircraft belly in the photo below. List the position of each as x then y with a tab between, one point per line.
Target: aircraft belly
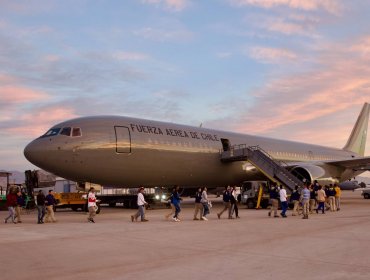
157	168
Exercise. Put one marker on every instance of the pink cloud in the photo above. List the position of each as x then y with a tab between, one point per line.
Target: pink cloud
18	94
319	106
33	124
331	6
51	58
286	27
362	47
271	55
6	79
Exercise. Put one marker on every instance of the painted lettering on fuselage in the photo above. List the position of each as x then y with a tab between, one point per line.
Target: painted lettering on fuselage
173	132
145	129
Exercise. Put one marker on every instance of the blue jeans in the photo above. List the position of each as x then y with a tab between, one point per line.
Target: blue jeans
140	212
41	213
177	210
321	206
284	207
11	214
205	209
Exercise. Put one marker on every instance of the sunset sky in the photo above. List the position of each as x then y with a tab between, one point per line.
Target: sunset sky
288	69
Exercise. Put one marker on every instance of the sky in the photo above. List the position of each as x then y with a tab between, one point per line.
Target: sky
287	69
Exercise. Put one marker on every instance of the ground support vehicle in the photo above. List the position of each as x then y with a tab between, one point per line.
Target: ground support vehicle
75	201
155	196
366	193
249	193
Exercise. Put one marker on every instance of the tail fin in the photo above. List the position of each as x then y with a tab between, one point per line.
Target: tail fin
357	140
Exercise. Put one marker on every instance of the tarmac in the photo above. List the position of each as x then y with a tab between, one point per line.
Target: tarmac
331	246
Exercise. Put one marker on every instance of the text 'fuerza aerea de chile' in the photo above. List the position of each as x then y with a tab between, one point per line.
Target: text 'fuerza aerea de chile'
173	132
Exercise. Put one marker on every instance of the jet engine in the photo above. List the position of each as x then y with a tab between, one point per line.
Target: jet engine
314	172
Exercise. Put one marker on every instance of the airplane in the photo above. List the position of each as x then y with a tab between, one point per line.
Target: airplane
131	152
349	185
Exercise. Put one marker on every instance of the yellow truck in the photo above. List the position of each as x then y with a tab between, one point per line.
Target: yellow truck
75	201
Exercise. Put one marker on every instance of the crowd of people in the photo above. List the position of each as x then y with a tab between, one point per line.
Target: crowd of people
202	205
311	198
15	201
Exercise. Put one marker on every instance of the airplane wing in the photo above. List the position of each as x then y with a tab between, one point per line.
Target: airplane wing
356	163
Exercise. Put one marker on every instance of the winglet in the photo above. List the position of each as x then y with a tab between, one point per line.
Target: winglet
357	140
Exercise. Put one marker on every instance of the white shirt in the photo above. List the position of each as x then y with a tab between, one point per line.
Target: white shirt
140	199
204	197
91	199
283	195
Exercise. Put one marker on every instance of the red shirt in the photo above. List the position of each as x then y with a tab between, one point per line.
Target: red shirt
11	200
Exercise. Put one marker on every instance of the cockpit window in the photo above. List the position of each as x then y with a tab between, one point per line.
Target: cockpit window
76	132
66	131
51	132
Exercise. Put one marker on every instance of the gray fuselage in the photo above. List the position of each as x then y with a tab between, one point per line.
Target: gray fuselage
123	151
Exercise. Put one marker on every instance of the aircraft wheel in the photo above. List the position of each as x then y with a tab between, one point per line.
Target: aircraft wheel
366	196
250	204
264	204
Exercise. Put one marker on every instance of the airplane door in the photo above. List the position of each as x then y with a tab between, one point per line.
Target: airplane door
226	146
123	139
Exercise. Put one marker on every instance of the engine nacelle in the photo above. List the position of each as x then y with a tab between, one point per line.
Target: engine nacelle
315	172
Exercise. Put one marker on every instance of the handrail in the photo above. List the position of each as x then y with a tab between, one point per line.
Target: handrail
277	163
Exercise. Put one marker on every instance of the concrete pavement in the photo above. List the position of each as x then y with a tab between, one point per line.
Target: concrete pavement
331	246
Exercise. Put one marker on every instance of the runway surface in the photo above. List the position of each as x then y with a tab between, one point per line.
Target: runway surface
331	246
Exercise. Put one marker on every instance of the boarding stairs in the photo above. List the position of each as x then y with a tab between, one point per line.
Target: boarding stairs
275	170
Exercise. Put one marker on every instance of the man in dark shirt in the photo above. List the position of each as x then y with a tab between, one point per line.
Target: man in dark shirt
40	199
18	208
226	197
294	198
50	202
198	205
274	197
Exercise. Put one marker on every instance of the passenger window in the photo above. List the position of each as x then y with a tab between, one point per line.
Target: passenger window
76	132
66	131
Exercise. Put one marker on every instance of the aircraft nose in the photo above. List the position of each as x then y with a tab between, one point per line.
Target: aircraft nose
32	152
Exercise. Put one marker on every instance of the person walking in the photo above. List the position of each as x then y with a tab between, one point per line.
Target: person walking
91	205
274	195
50	203
11	203
284	202
198	205
40	199
141	204
205	202
18	208
234	203
332	194
321	196
313	194
176	203
338	194
167	216
226	197
294	198
305	199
